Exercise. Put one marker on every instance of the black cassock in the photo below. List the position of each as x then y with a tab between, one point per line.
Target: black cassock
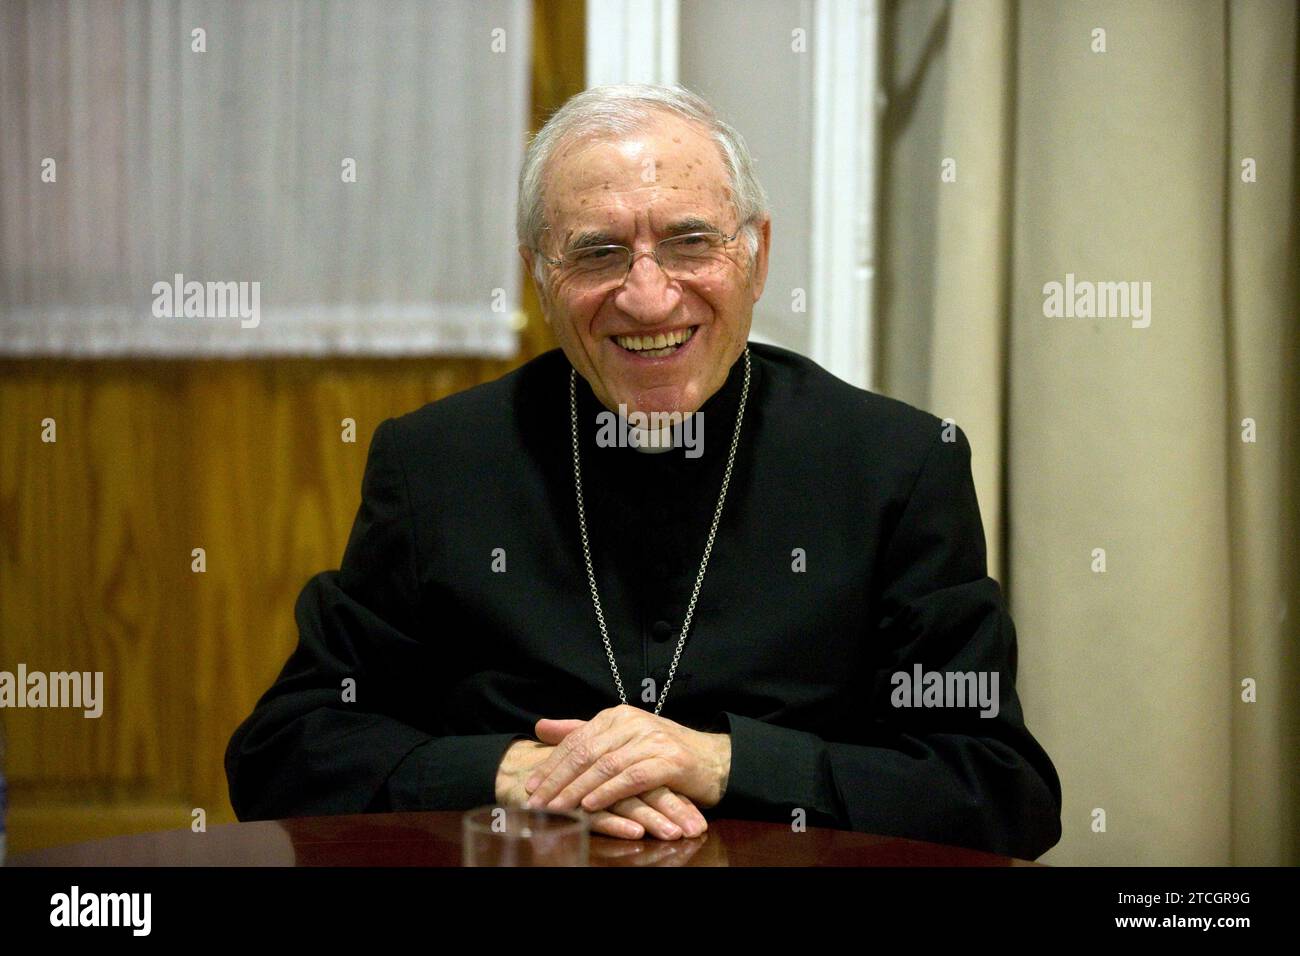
850	549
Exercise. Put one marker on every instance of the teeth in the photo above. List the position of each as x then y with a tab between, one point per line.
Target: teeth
655	345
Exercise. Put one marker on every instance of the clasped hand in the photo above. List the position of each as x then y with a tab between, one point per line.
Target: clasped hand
634	771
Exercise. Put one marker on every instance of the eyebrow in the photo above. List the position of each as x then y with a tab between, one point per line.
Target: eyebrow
690	224
587	238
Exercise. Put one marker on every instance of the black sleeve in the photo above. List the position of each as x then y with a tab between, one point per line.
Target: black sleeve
942	774
305	750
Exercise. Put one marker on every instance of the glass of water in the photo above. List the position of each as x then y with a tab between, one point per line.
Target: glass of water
518	836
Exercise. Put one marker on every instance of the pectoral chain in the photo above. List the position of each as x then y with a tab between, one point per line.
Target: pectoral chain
708	547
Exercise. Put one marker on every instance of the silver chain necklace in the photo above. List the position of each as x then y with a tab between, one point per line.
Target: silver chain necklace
708	547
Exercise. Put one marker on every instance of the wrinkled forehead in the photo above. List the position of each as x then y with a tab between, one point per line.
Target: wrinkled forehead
667	172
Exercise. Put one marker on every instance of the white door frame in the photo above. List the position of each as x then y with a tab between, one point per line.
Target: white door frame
846	91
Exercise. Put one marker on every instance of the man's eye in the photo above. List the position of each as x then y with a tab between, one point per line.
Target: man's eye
595	256
693	243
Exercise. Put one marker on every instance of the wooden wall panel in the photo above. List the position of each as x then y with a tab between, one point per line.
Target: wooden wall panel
153	459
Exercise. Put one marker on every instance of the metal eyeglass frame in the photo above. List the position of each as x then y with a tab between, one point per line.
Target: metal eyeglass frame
632	256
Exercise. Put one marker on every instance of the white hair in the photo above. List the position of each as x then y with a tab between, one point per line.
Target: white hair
622	110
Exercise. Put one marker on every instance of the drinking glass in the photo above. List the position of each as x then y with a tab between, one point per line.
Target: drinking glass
518	836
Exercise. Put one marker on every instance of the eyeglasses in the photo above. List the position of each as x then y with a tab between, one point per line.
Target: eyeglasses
681	257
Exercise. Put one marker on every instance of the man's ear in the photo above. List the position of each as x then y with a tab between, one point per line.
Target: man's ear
528	255
759	269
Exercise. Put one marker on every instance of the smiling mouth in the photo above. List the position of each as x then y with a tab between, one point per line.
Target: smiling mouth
655	346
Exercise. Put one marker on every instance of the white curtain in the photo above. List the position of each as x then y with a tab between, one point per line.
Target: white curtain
232	165
1146	534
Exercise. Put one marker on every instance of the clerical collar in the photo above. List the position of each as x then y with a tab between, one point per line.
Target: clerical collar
707	437
652	441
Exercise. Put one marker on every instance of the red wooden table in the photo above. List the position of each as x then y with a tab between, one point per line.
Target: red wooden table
434	839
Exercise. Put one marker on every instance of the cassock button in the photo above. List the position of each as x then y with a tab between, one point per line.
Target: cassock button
661	630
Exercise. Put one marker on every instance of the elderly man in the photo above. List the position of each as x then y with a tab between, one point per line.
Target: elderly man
785	617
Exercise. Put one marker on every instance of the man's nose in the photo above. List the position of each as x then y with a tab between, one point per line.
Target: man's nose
648	295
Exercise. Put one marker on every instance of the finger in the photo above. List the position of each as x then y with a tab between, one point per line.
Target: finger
623	722
623	714
603	769
677	808
554	731
562	749
655	823
611	824
635	779
573	757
